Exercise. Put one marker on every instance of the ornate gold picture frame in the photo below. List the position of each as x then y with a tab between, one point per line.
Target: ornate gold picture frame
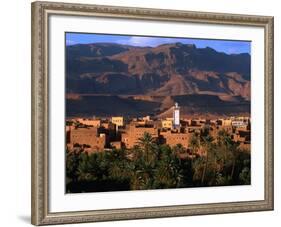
41	12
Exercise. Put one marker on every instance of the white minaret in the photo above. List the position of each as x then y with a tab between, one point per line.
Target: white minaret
176	115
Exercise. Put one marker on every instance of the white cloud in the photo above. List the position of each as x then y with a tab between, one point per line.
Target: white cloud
70	42
146	41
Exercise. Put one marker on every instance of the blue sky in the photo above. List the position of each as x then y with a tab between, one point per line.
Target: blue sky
227	46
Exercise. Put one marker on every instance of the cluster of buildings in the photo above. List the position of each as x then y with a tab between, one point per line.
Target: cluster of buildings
116	132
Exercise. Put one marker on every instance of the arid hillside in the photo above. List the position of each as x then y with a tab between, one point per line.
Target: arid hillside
108	79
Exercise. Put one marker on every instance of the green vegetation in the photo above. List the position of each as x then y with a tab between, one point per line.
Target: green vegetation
152	166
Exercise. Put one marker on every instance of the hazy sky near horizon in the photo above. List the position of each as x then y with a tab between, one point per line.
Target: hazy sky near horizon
226	46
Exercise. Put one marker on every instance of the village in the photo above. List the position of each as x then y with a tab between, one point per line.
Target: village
99	134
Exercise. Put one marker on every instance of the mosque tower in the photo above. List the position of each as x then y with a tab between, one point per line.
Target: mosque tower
176	116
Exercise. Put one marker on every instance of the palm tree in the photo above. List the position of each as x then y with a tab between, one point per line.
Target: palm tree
194	143
234	150
84	168
206	142
230	150
141	174
168	173
179	149
149	147
72	163
119	164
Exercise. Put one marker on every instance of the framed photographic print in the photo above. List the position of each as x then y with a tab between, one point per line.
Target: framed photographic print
145	113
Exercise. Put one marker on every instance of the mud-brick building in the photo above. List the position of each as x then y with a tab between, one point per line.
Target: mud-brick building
173	138
88	136
167	123
244	139
118	121
134	131
89	122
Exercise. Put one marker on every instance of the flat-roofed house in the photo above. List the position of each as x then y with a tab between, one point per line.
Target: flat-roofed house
167	123
89	122
173	138
118	121
134	131
88	136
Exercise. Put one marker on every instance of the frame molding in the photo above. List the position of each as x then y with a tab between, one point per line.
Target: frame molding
40	194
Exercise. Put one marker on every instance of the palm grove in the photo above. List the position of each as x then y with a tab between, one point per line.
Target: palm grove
150	165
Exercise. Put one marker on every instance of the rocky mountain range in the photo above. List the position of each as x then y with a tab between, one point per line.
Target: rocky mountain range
114	79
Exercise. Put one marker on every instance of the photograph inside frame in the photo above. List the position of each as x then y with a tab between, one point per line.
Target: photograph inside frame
145	113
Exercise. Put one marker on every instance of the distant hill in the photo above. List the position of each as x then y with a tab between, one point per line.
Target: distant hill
148	80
